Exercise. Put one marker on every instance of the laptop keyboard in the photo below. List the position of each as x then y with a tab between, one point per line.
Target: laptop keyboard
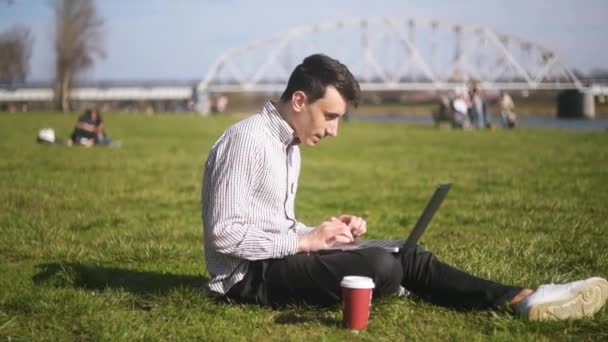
382	243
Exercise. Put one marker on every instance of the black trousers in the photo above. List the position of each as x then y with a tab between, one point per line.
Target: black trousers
315	279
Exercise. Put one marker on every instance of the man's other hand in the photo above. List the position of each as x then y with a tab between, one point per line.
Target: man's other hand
357	224
326	235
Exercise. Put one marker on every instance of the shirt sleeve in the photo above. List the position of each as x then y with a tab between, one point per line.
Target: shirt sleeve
302	229
232	170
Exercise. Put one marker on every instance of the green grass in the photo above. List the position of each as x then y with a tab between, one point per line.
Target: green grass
105	244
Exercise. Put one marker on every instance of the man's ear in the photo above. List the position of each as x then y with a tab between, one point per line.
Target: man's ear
298	100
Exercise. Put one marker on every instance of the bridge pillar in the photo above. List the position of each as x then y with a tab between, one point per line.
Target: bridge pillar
574	103
588	104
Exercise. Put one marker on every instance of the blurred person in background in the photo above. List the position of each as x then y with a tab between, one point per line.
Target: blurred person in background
461	105
444	110
507	113
90	130
478	112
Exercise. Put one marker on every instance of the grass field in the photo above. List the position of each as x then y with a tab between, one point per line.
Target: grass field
105	244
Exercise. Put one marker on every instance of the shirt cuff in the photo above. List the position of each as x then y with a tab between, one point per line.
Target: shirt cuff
286	245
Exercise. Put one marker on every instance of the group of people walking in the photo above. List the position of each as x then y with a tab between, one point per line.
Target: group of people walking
468	109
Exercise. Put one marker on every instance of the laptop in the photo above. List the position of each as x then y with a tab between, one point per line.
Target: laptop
394	246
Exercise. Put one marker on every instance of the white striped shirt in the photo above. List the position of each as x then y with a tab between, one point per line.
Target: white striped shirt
249	189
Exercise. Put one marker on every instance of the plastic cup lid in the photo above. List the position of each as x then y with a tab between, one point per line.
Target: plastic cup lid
357	282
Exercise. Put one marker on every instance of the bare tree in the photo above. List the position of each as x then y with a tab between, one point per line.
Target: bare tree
78	40
15	53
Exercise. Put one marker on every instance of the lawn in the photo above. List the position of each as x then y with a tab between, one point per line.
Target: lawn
106	243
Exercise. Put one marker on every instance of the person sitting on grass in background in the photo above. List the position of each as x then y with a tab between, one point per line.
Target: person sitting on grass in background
507	110
460	109
256	251
90	130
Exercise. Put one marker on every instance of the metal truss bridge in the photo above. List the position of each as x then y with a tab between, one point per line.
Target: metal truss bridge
392	54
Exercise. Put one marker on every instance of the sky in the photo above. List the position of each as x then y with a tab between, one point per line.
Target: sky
180	39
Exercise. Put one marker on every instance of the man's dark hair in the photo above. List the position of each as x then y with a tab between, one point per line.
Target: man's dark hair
316	73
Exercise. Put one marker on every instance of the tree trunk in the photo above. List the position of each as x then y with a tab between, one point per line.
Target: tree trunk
62	91
57	94
65	92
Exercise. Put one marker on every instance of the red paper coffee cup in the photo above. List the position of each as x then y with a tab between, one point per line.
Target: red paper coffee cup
356	301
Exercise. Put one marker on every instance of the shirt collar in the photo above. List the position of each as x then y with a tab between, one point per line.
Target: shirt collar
278	126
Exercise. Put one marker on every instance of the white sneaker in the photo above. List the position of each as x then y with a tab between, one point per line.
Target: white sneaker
573	300
403	292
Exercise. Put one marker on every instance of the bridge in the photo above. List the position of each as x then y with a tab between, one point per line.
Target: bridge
392	54
384	53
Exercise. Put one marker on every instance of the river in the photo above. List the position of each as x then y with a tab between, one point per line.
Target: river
524	121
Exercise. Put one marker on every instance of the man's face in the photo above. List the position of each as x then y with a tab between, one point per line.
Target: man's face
319	119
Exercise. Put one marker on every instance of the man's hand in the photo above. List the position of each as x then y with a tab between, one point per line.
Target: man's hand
357	225
325	236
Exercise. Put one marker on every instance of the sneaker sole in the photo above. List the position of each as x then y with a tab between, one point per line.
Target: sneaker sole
589	299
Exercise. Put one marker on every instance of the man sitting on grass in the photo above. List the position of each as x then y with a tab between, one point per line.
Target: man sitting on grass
257	252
